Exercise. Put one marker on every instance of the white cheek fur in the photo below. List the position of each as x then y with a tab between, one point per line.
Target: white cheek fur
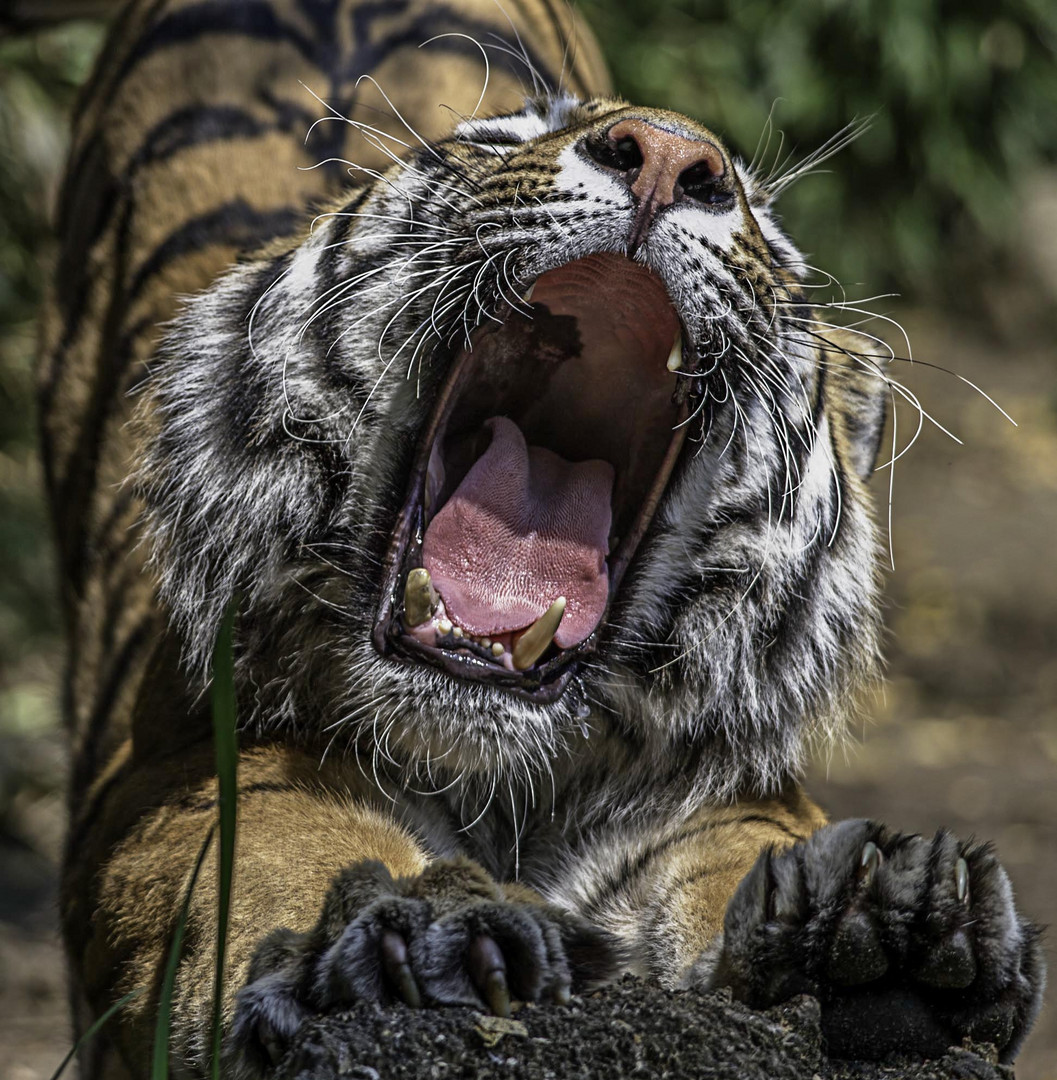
718	230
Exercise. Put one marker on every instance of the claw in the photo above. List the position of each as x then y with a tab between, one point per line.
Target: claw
562	994
497	993
398	970
961	881
488	969
869	864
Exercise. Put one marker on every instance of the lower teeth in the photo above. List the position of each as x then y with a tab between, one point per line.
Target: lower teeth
426	620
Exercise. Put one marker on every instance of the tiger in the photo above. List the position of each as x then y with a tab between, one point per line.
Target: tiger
497	409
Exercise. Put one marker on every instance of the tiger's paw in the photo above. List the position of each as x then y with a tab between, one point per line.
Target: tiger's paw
911	945
450	936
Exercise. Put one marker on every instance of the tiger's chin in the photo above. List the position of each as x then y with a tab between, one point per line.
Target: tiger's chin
549	449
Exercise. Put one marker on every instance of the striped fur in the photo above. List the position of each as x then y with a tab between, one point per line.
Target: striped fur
268	457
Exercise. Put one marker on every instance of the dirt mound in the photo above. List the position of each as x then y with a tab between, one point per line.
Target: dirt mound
628	1030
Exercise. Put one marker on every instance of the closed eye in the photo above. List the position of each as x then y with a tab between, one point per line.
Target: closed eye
502	131
495	143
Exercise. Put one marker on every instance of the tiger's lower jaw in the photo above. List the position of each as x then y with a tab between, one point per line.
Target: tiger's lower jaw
551	445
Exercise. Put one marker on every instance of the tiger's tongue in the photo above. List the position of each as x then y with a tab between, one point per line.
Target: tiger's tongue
523	528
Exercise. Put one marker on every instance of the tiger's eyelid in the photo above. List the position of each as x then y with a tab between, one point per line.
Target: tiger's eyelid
500	138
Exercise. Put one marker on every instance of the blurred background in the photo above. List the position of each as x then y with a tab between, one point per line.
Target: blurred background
943	216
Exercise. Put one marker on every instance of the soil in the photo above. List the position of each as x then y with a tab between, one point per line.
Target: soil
628	1030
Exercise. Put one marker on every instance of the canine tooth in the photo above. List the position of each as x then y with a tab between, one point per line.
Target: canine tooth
534	641
675	357
527	298
420	598
497	649
445	626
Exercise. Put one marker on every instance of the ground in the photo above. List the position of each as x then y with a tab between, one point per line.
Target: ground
628	1030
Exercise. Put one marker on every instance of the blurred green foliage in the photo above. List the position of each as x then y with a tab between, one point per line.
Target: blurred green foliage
963	96
39	76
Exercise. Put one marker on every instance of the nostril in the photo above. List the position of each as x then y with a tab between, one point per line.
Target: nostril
701	183
623	154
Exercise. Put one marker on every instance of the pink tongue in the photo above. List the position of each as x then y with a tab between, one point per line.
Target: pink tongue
523	528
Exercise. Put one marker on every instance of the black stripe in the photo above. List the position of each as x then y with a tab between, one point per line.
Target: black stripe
196	125
196	806
689	879
439	19
253	19
141	372
86	204
118	508
764	819
235	223
820	392
632	870
115	603
89	744
87	816
324	329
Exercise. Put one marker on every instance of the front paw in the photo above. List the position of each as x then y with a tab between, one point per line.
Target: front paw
911	945
450	936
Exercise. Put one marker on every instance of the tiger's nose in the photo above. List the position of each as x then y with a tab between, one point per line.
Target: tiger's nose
661	168
663	164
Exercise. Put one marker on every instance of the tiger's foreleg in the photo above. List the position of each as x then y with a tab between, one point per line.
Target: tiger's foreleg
911	944
333	902
666	896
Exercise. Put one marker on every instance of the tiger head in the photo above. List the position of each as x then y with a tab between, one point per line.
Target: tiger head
536	436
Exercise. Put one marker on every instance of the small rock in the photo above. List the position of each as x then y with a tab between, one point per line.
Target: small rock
493	1028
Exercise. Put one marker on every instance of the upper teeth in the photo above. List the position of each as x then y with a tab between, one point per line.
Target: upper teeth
675	357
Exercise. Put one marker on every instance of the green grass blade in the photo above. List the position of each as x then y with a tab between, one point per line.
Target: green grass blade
225	738
160	1058
90	1033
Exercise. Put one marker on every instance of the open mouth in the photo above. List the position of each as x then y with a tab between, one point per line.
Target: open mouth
549	449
